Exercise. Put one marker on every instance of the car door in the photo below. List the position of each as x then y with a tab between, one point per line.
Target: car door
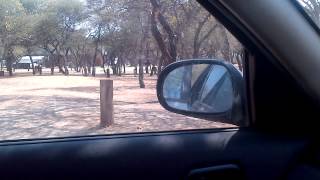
268	148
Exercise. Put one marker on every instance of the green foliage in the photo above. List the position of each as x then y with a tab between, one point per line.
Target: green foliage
33	6
119	28
11	13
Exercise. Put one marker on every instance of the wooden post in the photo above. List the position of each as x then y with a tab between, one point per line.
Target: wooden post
106	102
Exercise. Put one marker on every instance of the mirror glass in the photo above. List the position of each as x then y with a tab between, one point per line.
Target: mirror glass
204	88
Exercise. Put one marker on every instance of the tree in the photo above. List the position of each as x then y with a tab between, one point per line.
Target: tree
169	54
312	7
79	49
62	19
47	32
198	40
29	40
11	29
140	33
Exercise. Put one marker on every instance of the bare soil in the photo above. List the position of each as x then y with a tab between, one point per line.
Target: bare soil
57	106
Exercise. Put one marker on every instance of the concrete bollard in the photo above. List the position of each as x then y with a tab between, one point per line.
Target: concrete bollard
106	103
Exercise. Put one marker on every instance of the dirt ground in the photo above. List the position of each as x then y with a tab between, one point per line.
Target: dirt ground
58	106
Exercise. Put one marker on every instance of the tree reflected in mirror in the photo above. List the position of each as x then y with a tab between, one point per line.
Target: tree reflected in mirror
200	88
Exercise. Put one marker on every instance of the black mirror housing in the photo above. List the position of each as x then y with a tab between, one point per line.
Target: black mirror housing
204	88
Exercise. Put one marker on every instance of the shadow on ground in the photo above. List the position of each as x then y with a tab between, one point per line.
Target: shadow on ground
58	106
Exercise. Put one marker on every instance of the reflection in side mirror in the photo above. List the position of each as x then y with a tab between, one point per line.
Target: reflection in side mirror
199	88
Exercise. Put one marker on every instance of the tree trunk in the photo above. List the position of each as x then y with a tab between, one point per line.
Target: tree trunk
40	69
104	69
240	58
51	52
186	84
160	64
66	71
119	67
239	63
135	71
52	65
85	71
153	70
196	44
166	26
59	62
226	46
96	52
113	65
198	40
10	58
93	72
169	54
9	67
32	65
89	69
147	57
108	73
141	82
66	60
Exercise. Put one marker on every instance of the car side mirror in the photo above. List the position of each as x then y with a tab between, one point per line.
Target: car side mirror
207	89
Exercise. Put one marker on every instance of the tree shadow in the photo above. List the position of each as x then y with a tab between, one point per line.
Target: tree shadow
55	116
88	89
40	116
